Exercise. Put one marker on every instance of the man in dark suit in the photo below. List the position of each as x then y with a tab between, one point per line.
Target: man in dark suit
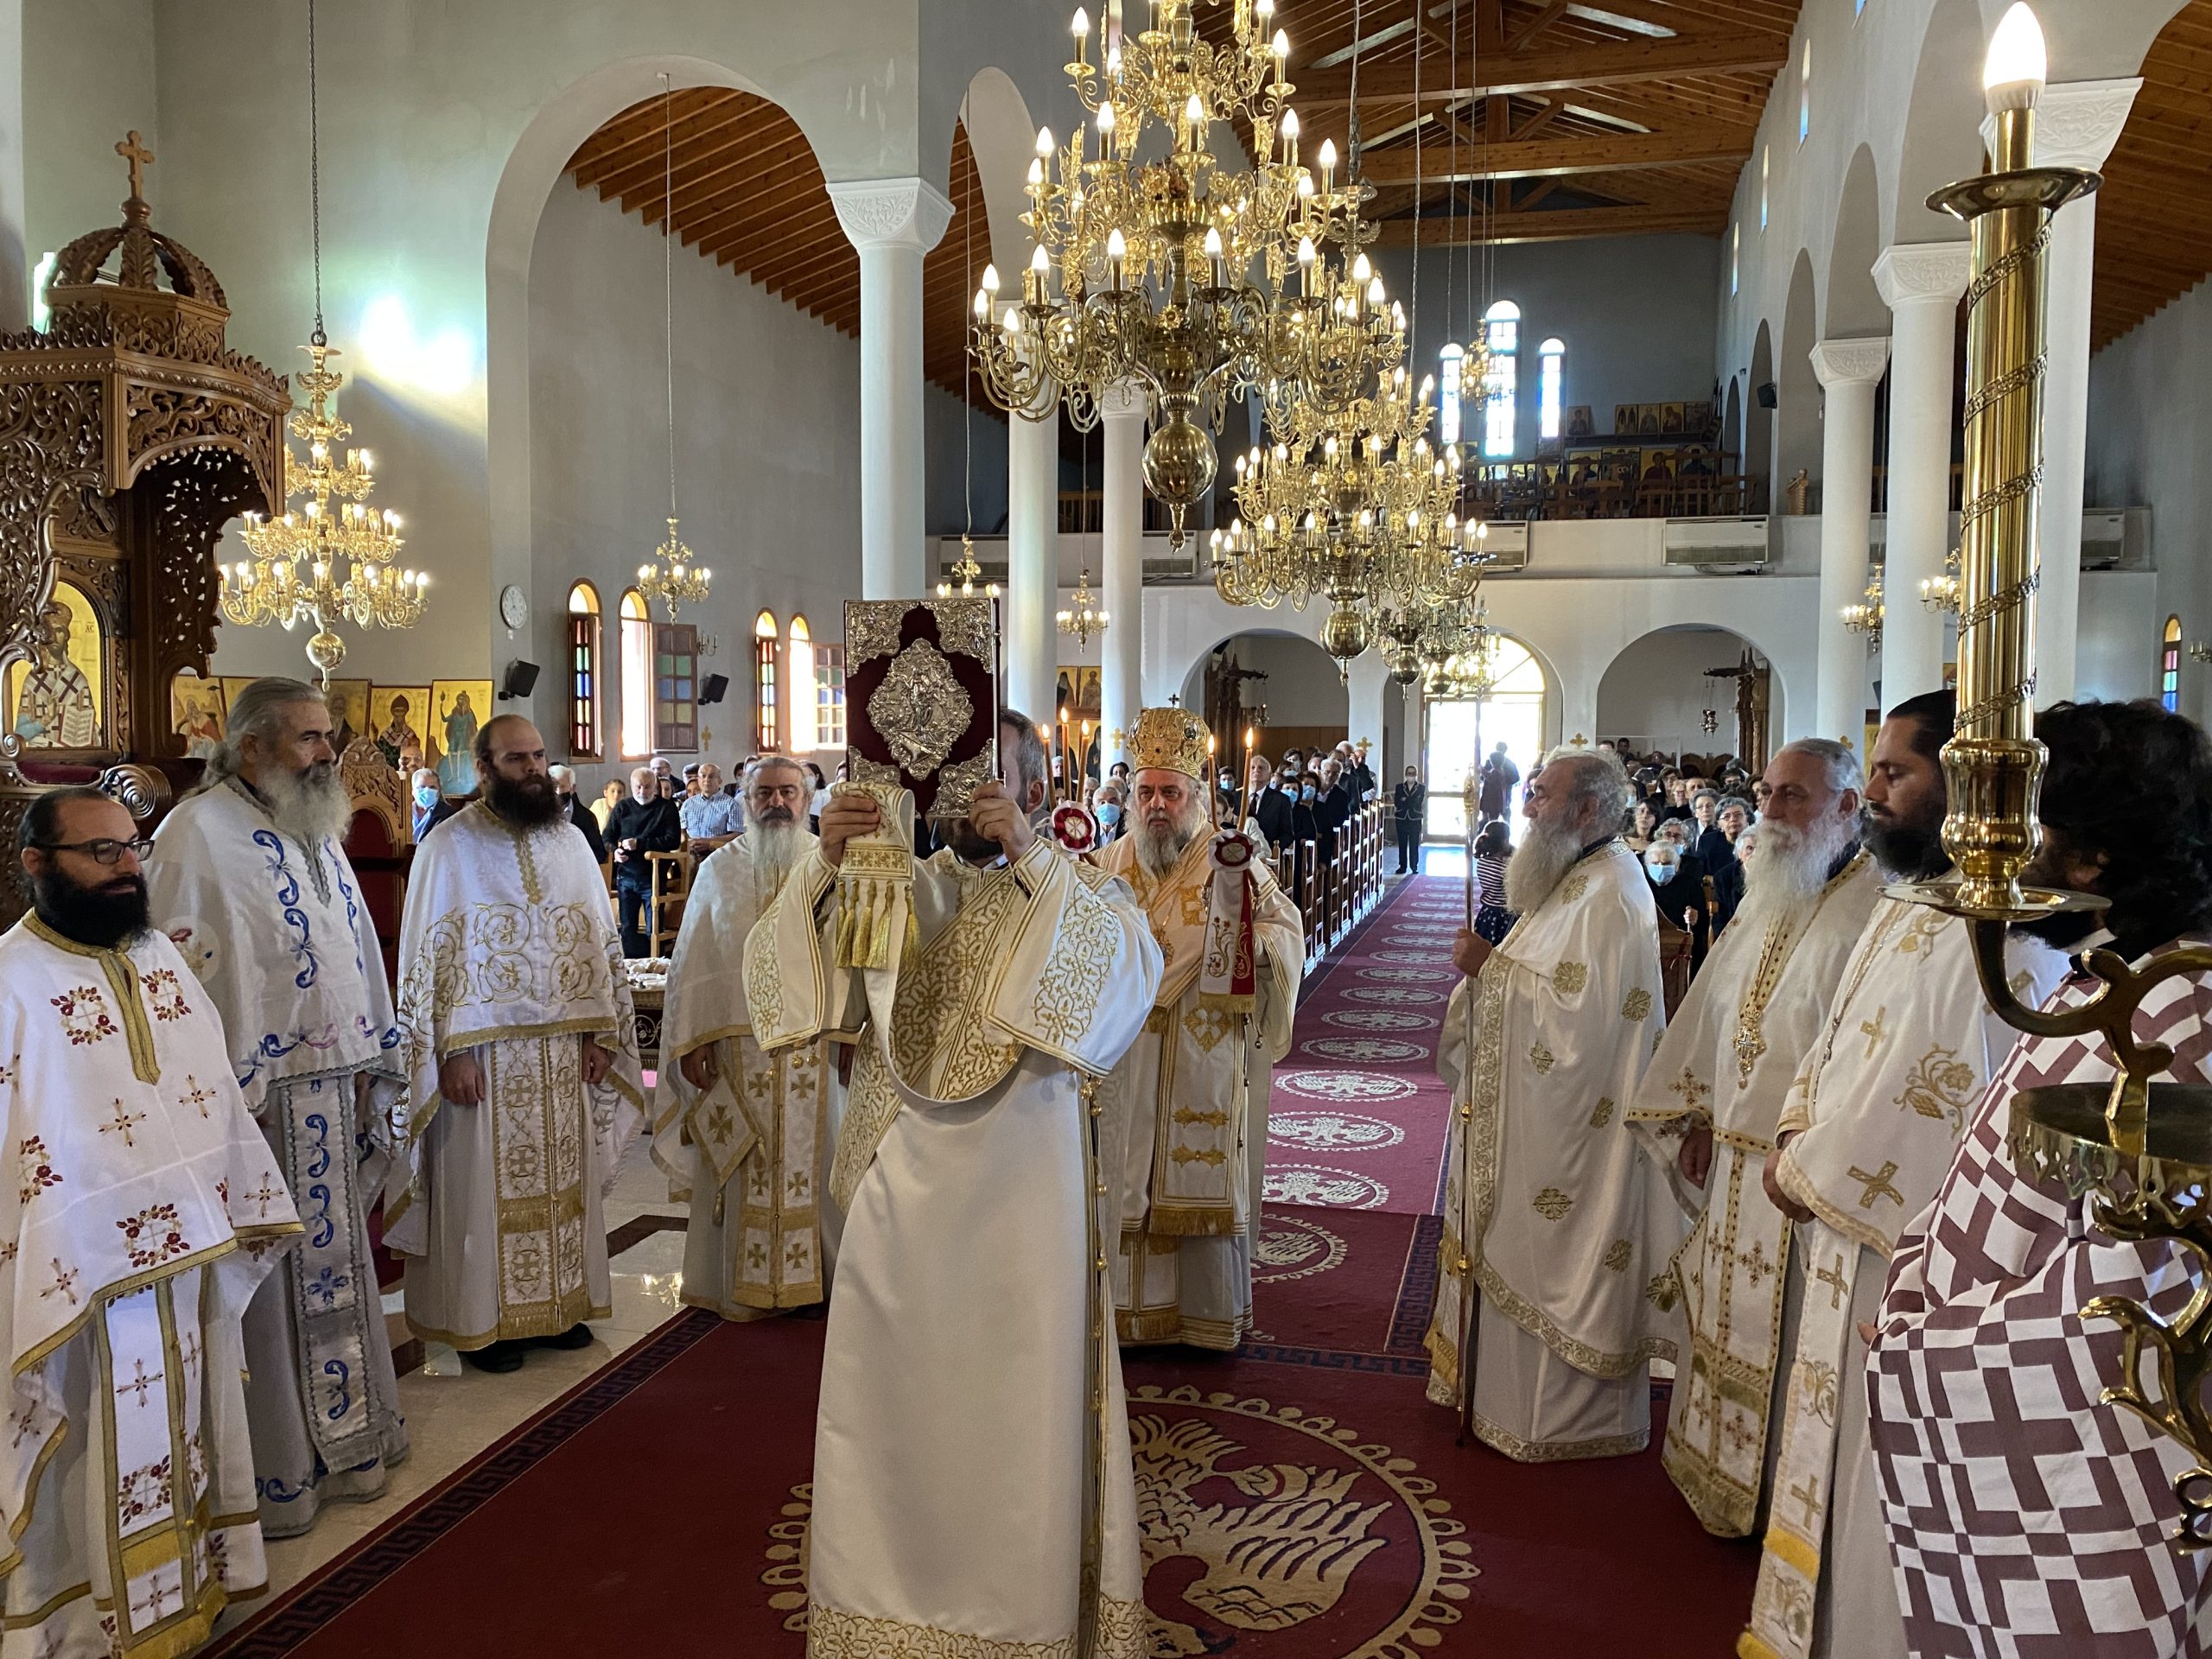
1499	775
1410	802
1271	806
646	822
1334	809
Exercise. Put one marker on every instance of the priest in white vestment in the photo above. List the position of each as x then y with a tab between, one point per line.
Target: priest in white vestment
148	1208
1181	1112
1706	1113
249	881
745	1137
958	1468
1545	1252
521	1049
1906	1047
2025	1513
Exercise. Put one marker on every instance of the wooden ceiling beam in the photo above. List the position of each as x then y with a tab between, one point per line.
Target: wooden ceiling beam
1554	225
1551	157
1558	69
796	172
790	196
1535	123
764	126
1543	19
641	125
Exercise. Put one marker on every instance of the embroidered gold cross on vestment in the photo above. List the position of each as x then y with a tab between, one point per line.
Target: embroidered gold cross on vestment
1876	1184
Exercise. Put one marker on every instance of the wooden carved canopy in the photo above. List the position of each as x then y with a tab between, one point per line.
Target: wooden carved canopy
130	434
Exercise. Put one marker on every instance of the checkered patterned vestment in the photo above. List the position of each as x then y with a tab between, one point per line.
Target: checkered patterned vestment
2025	1518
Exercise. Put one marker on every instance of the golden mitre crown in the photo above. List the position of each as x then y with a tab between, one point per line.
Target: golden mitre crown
1169	740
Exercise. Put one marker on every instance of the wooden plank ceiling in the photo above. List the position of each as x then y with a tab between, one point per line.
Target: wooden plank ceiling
2154	215
748	193
1540	120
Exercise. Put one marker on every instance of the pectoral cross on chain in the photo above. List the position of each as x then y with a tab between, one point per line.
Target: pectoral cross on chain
1832	1276
1876	1184
1871	1029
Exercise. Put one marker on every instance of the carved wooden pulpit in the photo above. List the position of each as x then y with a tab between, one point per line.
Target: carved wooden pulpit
130	434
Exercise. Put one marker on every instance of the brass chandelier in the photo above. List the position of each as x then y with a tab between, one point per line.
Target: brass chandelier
1177	273
1865	615
1085	615
317	563
673	574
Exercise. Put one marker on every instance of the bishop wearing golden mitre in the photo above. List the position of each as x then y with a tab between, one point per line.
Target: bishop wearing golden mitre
1188	1102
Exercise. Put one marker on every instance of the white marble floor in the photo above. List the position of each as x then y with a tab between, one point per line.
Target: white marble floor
454	1412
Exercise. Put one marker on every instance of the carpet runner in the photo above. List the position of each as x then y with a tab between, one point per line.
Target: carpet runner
1358	1116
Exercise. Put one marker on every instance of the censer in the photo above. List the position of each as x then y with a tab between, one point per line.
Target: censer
2138	1148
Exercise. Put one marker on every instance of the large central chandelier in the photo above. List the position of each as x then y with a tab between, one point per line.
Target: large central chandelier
322	563
671	576
1177	273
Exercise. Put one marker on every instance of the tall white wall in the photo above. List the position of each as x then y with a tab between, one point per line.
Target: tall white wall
767	412
91	79
1655	690
2150	413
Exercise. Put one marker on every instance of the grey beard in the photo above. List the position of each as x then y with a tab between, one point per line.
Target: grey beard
775	849
1158	850
1782	882
308	806
1536	866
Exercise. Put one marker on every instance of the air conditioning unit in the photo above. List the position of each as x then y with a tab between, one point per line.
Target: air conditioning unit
1507	545
1716	547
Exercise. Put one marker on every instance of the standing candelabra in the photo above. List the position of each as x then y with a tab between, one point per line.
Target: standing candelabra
2140	1148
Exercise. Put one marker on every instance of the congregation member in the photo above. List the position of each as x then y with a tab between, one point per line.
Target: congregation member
249	881
1111	812
1643	826
1707	1111
1493	857
1333	808
1678	801
1537	1336
610	796
1409	807
149	1209
1882	1100
1716	850
644	824
746	1136
565	786
1677	878
709	818
2026	1510
1181	1109
422	803
1268	809
1499	778
519	1046
948	1503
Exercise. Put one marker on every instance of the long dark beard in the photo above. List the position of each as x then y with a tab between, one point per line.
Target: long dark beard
1910	851
91	916
526	803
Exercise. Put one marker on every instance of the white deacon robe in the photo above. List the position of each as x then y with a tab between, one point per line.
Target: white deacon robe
1544	1224
1727	1062
951	1453
751	1152
278	934
1874	1117
508	952
144	1210
1179	1113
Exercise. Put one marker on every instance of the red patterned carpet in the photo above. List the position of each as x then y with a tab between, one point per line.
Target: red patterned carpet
1358	1114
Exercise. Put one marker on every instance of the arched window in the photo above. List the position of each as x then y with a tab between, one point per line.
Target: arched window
636	677
764	681
1735	259
584	647
1551	363
1450	362
1766	156
804	740
2170	666
1460	730
1501	383
1805	91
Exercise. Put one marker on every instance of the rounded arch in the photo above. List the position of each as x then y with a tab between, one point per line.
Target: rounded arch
1657	691
1855	303
1731	421
1758	419
634	675
1283	670
1797	417
583	599
1941	141
1002	138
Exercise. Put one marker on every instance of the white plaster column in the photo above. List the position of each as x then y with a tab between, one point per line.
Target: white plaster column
1033	565
2076	124
1921	282
1848	371
893	222
1121	681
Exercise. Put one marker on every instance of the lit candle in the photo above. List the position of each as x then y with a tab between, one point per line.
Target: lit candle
1214	252
1280	46
1081	30
1117	250
1290	137
1329	172
1305	264
1245	805
1034	280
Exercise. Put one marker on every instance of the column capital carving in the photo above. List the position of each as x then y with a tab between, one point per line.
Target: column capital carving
1850	362
1123	400
1911	273
2077	122
891	213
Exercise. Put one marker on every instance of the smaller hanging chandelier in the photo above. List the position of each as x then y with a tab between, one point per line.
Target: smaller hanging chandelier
1085	616
1941	593
965	573
1866	616
672	575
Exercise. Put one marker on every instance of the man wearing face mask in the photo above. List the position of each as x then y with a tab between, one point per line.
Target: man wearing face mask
1110	810
150	1208
748	1135
565	786
249	880
425	802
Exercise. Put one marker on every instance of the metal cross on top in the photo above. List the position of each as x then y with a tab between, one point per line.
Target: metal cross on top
140	158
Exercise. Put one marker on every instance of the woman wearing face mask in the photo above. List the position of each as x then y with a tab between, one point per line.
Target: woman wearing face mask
1493	851
1678	884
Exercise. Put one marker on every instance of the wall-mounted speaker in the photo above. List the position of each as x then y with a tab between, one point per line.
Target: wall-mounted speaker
712	688
1766	397
521	676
